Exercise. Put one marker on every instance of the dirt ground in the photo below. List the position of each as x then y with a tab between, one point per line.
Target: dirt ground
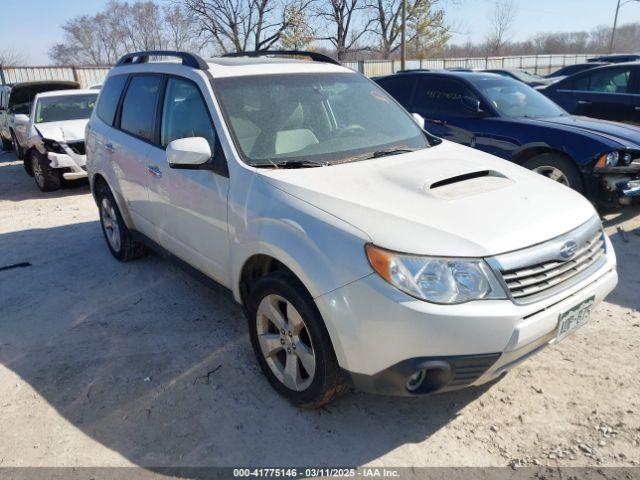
111	364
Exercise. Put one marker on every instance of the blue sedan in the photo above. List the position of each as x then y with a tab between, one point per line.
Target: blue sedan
511	120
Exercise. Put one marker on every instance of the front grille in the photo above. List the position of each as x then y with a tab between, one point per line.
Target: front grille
77	147
540	271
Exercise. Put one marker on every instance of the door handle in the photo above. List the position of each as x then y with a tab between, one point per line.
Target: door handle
584	102
637	109
109	148
153	170
437	122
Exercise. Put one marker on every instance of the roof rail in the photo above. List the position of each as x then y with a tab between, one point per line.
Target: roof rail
315	56
409	70
188	59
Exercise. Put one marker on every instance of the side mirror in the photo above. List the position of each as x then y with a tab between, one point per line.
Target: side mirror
472	104
188	153
21	119
419	119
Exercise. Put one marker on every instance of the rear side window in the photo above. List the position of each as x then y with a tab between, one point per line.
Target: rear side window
109	97
139	106
184	114
399	88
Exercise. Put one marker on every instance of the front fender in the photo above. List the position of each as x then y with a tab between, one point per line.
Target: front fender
324	252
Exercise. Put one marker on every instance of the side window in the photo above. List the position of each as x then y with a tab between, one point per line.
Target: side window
579	83
109	97
139	106
442	96
400	88
612	80
184	114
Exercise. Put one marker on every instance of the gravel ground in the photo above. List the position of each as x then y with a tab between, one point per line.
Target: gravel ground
110	364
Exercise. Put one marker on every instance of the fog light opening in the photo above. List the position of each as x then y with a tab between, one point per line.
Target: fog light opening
415	381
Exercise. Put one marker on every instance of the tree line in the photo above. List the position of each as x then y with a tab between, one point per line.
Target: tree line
346	29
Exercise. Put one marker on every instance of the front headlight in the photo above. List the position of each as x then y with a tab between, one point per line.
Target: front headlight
436	279
622	158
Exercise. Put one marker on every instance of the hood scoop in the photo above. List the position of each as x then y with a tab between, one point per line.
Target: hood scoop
468	184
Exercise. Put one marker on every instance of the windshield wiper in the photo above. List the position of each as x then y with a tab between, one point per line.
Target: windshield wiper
391	151
289	164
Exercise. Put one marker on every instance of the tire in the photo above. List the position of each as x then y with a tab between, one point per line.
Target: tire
47	179
558	168
118	237
18	150
282	293
7	145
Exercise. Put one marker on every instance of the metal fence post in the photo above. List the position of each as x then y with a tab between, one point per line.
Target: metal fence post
74	72
2	79
361	66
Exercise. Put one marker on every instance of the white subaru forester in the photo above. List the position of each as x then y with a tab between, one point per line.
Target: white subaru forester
363	250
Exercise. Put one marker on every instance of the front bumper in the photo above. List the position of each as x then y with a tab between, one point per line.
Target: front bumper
381	336
74	164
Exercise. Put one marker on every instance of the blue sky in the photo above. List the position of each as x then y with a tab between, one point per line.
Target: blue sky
22	29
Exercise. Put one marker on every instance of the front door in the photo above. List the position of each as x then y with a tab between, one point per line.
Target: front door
189	206
441	101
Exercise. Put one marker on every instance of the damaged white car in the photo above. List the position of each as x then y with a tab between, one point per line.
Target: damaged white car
55	136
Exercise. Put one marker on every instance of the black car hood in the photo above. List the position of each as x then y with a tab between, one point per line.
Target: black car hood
625	135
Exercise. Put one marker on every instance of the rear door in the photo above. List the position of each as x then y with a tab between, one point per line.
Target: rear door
130	146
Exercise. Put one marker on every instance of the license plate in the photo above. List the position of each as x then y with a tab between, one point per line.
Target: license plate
576	317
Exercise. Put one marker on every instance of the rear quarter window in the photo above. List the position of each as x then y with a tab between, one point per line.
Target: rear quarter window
109	97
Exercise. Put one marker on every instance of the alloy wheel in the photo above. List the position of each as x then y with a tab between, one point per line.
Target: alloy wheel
552	173
110	224
38	173
285	342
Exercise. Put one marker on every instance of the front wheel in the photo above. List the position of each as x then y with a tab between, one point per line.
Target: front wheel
47	179
557	168
291	342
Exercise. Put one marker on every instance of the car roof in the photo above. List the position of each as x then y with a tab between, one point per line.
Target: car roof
238	66
465	75
59	93
245	66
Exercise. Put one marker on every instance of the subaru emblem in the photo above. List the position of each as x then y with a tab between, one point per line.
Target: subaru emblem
568	249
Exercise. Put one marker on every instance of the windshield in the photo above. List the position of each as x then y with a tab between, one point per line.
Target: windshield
515	99
328	118
68	107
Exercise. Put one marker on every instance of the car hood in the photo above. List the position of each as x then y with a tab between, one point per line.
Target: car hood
63	131
425	203
624	135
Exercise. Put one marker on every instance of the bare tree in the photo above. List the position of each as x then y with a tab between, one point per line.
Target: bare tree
241	25
347	23
10	57
504	15
123	27
426	29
